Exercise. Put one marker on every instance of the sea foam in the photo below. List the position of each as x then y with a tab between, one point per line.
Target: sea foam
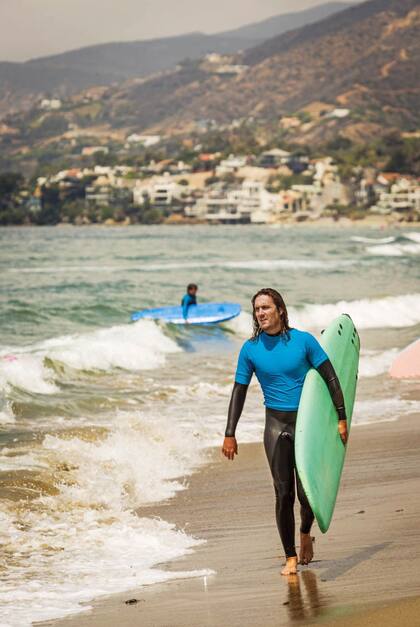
27	372
373	363
383	410
86	540
139	346
373	240
394	250
387	312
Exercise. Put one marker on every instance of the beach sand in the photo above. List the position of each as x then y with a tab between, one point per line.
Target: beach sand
366	569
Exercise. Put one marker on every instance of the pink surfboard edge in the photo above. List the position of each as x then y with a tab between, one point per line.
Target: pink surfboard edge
406	365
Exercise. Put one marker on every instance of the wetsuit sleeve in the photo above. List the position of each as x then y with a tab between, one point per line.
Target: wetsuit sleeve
185	304
236	405
245	367
327	372
314	351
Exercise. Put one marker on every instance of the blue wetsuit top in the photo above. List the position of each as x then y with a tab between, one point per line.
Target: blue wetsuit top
280	363
187	300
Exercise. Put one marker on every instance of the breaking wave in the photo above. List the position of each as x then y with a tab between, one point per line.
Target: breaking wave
373	363
394	250
387	312
373	240
81	536
139	346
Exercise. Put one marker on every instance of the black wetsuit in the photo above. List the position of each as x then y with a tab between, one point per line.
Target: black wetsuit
279	447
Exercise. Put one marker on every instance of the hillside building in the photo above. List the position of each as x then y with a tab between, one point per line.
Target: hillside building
231	165
143	140
274	158
50	104
249	203
402	196
162	192
106	195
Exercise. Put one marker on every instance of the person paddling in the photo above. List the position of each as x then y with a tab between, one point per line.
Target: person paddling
281	356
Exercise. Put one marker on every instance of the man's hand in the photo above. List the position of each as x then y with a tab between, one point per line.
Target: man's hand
342	430
230	448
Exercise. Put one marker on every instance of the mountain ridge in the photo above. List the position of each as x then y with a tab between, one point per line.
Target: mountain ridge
105	64
352	78
365	58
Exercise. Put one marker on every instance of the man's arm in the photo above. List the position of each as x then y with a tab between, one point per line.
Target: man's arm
327	372
236	405
185	304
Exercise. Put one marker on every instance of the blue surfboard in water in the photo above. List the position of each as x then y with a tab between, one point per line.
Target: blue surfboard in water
205	313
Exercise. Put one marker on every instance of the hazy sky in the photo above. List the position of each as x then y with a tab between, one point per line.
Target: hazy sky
33	28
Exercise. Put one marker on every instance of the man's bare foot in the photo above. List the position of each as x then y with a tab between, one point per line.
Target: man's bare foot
290	566
306	548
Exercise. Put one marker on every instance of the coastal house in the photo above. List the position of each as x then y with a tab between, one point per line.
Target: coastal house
310	197
365	193
231	165
318	196
324	170
326	189
290	201
50	104
402	196
231	69
298	163
249	203
163	192
143	140
218	206
274	158
71	187
207	161
98	196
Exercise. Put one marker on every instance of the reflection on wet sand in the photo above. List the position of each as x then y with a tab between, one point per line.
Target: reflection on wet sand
306	603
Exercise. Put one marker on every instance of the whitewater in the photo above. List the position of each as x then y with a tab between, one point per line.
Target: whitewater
101	419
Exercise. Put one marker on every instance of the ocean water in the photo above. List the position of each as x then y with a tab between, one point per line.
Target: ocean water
99	416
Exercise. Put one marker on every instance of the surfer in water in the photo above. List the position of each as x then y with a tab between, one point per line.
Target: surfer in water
190	298
281	356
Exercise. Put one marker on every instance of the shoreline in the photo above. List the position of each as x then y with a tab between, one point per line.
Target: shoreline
230	505
371	222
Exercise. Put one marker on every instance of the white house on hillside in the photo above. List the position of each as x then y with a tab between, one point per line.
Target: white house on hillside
230	165
404	195
249	203
163	191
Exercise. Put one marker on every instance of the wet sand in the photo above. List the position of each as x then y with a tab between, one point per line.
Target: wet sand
366	569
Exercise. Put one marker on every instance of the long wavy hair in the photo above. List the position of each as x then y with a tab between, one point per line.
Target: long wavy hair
281	307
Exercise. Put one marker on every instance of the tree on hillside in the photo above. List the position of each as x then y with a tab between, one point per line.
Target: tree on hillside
50	206
12	209
405	157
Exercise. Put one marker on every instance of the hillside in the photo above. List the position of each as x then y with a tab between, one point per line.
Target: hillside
21	84
274	26
365	58
362	62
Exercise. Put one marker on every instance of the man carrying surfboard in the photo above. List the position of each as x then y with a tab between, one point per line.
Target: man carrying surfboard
281	356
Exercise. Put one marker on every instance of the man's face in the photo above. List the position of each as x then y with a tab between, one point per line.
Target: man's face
192	291
267	314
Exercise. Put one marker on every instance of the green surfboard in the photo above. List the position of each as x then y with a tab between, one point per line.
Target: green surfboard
318	448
